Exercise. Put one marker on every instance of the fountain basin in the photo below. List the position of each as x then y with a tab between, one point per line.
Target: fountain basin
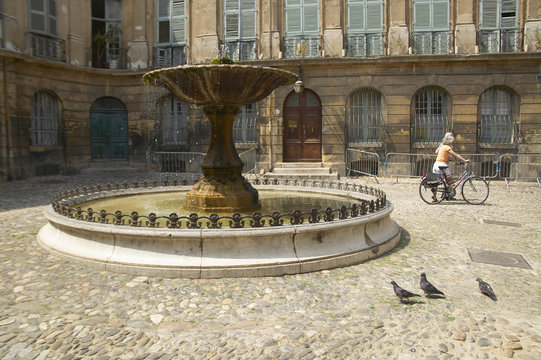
225	252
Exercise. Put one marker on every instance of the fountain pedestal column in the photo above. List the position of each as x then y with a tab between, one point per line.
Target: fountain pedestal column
222	187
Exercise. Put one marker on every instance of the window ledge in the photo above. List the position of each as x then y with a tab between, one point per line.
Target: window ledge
45	148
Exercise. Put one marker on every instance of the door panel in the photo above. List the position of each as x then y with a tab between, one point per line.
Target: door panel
109	135
302	127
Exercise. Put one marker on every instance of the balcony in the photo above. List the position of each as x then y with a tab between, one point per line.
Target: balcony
168	56
431	42
241	50
312	43
365	45
498	41
47	47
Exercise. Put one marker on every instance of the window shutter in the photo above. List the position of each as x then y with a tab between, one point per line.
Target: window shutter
232	26
52	17
509	14
421	15
311	16
489	14
374	16
356	16
248	24
178	21
440	15
293	20
163	8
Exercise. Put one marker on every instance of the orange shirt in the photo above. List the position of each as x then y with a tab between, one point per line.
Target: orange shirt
443	154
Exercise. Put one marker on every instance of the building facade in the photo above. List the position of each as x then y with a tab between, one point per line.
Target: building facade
385	76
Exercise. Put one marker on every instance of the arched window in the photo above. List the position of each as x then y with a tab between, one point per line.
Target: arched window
430	115
45	120
245	129
497	116
365	117
173	121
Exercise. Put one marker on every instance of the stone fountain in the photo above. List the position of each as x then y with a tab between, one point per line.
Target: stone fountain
226	239
217	90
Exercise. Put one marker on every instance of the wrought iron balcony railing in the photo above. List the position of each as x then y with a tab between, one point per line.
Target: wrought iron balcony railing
47	47
365	45
496	41
168	56
312	43
241	50
431	42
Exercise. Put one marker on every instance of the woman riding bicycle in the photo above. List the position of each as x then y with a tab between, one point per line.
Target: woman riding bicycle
444	153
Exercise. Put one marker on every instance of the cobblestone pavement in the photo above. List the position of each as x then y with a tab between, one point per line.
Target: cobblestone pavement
54	309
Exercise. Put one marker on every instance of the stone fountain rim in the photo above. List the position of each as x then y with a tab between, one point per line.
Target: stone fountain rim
149	76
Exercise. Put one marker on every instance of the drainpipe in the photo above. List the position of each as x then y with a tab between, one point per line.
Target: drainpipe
7	130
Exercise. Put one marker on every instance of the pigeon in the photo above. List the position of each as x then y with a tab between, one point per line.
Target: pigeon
487	289
402	293
429	289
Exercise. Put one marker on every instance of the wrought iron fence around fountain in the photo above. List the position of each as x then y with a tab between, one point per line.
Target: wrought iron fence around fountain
63	202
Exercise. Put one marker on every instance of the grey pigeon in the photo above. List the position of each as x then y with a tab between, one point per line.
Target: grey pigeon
402	293
429	289
487	289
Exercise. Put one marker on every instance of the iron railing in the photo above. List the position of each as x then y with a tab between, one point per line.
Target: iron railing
293	42
249	159
431	42
241	50
47	47
365	45
496	41
168	56
169	163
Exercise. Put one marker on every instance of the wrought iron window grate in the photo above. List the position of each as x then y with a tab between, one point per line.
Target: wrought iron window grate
430	118
365	118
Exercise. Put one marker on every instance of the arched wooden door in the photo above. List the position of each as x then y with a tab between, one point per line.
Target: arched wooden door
108	130
302	127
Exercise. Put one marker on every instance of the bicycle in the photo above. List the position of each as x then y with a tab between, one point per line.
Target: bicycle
434	189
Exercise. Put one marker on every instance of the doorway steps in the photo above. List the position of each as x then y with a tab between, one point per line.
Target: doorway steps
303	170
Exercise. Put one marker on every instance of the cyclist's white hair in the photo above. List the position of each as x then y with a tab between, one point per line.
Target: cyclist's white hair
448	139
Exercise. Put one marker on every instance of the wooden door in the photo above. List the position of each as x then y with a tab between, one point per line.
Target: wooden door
302	127
108	130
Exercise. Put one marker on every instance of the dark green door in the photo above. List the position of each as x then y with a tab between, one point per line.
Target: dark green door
108	134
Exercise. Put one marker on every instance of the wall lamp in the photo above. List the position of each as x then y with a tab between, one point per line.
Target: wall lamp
299	84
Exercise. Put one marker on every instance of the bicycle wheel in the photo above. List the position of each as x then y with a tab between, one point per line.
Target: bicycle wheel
432	194
475	190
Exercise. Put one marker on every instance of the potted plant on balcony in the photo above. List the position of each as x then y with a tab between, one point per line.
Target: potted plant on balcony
100	40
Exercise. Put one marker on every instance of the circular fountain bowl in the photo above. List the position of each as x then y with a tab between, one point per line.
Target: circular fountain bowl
212	247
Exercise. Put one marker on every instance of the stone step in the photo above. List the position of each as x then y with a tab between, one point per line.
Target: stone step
331	176
302	171
298	165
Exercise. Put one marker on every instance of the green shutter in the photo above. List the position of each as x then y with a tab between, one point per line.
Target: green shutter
509	14
293	21
232	5
248	24
421	15
489	14
355	16
178	21
232	26
248	4
311	16
440	19
374	16
163	8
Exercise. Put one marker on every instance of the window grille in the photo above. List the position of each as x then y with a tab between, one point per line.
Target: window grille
44	120
240	29
431	26
430	118
365	117
302	28
496	123
168	56
365	27
171	22
173	121
245	129
498	26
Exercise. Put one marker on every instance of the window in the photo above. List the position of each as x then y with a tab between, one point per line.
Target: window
173	121
245	129
302	28
365	27
365	119
106	33
43	17
430	115
431	26
496	123
498	26
44	120
240	29
171	30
